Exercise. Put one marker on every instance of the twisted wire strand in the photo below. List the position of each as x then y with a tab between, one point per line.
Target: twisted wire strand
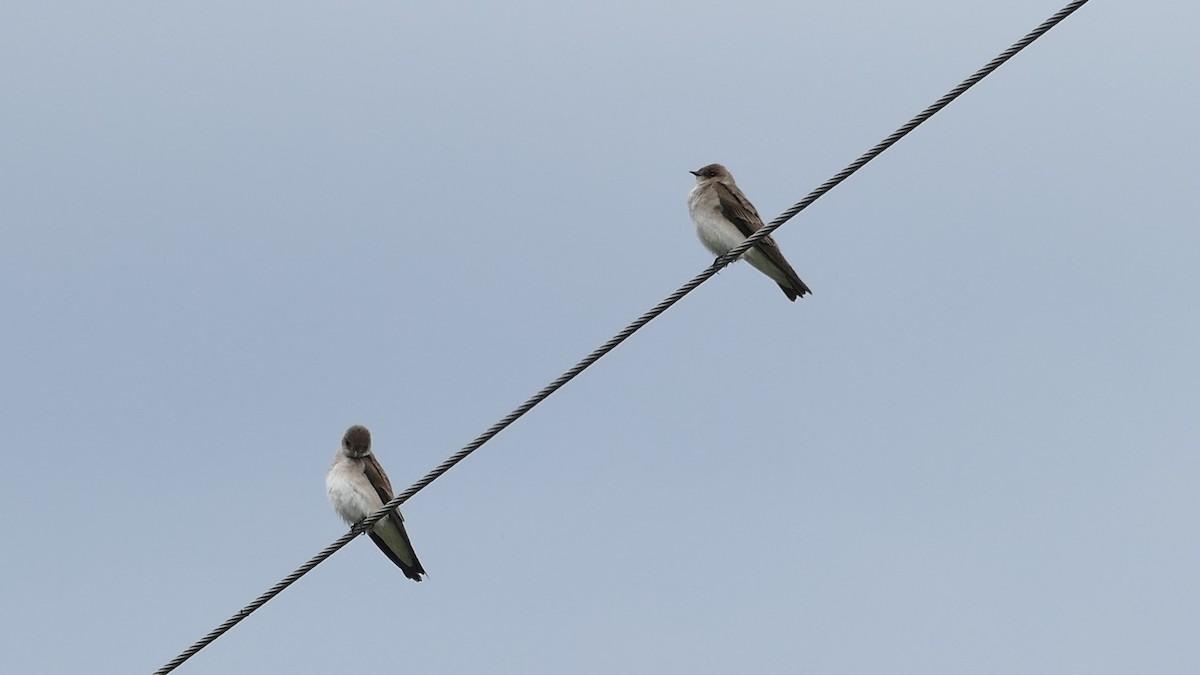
903	131
620	337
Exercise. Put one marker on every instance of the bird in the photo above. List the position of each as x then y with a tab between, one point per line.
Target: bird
358	486
724	218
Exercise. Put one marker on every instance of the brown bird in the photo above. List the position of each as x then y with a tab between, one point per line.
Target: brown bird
358	487
724	218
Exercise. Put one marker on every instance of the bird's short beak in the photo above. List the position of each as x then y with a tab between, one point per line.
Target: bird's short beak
695	173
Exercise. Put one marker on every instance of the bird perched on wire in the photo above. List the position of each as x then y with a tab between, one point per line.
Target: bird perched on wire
357	487
724	218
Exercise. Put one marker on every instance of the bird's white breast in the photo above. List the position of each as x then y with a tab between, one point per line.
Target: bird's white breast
350	492
712	227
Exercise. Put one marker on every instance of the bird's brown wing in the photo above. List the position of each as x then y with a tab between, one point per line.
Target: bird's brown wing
741	213
379	479
383	487
738	209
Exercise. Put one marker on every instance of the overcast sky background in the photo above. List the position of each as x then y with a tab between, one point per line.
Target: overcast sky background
231	230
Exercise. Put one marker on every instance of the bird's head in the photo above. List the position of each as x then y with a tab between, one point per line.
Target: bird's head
357	441
710	173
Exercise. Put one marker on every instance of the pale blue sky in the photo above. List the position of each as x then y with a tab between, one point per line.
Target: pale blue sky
229	231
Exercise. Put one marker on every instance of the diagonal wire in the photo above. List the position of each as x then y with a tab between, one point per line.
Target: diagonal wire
629	330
